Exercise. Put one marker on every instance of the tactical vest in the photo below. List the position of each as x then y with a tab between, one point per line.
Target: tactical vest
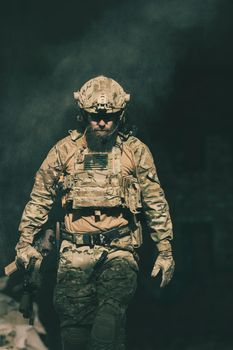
97	182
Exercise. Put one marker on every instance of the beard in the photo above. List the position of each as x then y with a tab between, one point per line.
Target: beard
101	140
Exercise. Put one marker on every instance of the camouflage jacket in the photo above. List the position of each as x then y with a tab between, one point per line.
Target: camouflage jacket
155	207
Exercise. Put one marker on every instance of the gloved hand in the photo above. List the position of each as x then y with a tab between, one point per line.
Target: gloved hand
25	252
164	262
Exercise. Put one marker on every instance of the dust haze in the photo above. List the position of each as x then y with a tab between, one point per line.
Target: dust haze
138	43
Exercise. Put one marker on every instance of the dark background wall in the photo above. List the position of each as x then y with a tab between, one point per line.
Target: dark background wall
175	58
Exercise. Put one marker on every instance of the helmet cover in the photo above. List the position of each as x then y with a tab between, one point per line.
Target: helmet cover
101	94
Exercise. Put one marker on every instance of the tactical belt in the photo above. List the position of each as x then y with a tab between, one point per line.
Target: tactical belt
97	237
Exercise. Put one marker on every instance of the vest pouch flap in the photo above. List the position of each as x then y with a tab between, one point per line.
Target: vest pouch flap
131	193
96	197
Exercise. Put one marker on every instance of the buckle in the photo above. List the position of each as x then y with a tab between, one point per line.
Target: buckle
102	238
78	239
97	238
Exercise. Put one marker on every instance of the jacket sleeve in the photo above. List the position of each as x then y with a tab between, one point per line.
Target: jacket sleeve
155	206
42	197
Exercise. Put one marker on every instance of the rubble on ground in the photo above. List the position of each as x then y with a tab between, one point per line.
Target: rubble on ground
15	331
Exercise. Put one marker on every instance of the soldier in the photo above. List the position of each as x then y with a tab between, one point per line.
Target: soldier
107	178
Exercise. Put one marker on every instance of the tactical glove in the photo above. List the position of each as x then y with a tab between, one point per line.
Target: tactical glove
24	254
164	262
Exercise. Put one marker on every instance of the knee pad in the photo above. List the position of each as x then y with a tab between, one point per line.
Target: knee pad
75	337
106	326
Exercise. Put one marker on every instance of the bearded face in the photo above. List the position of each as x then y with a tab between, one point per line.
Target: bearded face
102	131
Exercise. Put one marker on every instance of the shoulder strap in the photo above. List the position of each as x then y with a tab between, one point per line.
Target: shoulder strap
132	144
77	138
74	134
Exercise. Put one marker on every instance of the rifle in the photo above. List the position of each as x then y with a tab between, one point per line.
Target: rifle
11	268
26	302
44	244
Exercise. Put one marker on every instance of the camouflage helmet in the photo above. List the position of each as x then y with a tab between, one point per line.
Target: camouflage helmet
101	94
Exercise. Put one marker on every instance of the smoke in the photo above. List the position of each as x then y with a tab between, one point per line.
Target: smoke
137	43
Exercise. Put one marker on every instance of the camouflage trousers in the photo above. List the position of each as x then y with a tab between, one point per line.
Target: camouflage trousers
92	306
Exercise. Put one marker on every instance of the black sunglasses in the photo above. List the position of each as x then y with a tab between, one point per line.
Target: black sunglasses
105	116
